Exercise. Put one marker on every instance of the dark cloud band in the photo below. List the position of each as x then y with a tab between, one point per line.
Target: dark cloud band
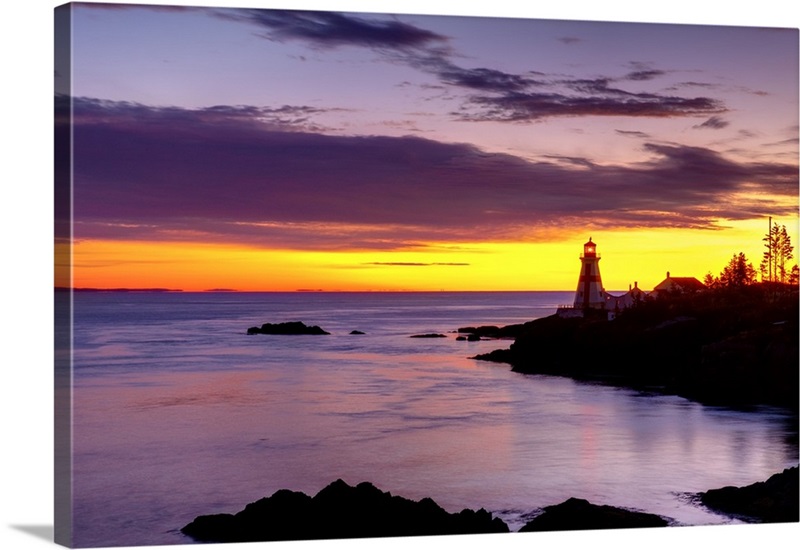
239	174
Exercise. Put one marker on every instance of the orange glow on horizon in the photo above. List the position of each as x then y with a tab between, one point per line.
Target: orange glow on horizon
627	256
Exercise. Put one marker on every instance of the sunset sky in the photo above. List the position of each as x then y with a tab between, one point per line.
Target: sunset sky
253	149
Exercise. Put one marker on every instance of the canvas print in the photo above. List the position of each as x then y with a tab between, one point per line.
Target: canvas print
329	275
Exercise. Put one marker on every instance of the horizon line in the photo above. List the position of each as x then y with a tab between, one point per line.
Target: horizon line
295	291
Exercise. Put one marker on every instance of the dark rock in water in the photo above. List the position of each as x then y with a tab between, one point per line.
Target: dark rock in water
485	329
294	327
339	511
496	356
356	332
577	514
492	331
430	335
772	501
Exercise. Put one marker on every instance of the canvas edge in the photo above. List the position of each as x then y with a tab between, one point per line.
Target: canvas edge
62	296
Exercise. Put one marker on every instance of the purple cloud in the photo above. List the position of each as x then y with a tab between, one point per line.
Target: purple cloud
530	106
239	174
644	74
331	29
503	96
713	123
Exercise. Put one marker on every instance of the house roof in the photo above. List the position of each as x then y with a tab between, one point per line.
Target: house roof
684	283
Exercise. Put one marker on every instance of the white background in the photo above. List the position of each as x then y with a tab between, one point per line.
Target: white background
26	274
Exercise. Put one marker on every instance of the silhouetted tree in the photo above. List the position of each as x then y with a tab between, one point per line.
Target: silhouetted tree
783	253
710	281
779	251
739	272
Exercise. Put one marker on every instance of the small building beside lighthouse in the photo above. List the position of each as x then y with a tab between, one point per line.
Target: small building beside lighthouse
592	300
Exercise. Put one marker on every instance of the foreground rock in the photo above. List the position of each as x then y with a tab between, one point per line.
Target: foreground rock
577	514
293	327
339	511
772	501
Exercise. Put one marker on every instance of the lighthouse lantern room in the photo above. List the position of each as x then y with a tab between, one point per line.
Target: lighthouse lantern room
590	293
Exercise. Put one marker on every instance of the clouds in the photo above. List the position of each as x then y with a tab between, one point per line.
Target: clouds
714	123
492	94
94	111
419	264
331	29
262	176
530	106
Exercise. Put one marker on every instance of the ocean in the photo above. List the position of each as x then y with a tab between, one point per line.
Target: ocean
178	413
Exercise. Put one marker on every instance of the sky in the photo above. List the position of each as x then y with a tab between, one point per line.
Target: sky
257	149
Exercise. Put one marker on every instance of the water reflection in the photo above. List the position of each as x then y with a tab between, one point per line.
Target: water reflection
161	437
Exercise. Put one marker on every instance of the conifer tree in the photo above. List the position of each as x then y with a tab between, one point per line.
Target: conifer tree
738	272
779	251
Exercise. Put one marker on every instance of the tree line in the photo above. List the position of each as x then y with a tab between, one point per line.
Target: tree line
772	269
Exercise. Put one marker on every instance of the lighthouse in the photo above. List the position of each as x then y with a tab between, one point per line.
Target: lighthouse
590	293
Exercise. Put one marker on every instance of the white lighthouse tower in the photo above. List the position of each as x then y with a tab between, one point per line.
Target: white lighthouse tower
590	293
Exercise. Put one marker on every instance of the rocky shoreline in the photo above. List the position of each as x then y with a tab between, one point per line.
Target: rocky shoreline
736	348
340	511
772	501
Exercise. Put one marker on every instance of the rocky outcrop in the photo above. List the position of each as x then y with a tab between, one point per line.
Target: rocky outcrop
772	501
717	347
492	331
576	514
339	511
292	327
428	335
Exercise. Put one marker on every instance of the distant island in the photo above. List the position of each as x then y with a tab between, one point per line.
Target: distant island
79	289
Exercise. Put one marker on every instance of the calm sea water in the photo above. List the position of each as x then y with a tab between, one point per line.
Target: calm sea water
179	413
